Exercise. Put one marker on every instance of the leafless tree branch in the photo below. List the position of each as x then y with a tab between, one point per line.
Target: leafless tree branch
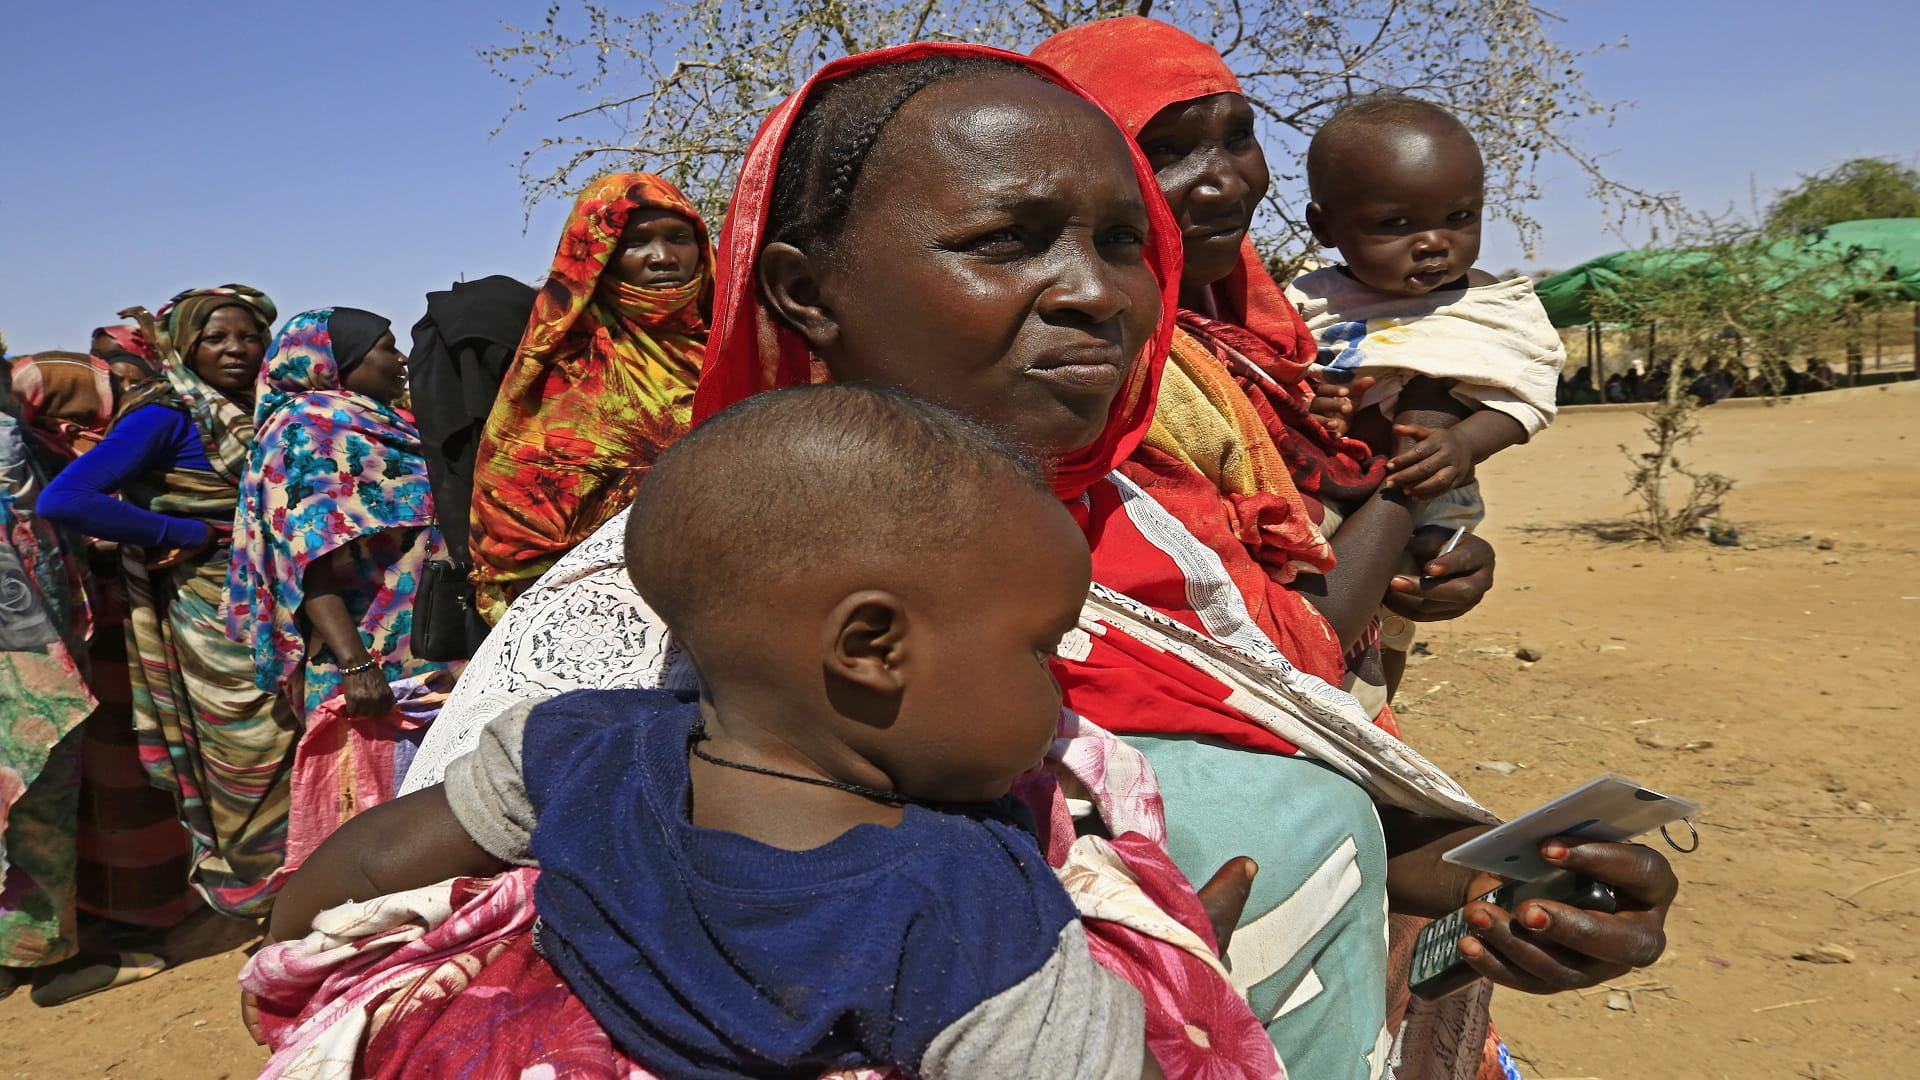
682	86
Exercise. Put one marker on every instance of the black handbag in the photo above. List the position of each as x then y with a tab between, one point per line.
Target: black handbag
444	619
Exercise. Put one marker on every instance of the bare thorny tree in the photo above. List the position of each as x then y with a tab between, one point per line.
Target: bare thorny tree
680	87
1729	294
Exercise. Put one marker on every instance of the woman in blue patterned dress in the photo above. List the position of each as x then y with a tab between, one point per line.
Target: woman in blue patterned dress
331	543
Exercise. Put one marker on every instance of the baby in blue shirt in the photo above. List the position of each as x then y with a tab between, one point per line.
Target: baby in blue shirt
817	865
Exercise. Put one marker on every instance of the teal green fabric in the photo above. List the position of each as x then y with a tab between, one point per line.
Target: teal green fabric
1295	817
1896	240
1887	267
1568	295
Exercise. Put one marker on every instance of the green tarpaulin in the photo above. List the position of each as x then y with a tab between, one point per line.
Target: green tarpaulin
1888	266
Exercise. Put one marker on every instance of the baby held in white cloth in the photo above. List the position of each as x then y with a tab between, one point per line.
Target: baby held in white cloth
1397	186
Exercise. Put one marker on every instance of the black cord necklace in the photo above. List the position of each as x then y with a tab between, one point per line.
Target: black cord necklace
697	734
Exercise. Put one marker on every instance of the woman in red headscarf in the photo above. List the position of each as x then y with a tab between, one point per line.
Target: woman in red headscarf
602	381
1320	524
1237	455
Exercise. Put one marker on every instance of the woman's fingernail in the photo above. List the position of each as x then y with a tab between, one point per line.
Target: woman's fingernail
1470	947
1553	851
1535	919
1480	920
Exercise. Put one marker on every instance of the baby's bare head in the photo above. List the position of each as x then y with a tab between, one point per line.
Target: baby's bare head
1397	185
826	483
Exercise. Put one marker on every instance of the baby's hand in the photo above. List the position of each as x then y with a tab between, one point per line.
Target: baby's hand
1224	897
250	1017
1333	403
1439	462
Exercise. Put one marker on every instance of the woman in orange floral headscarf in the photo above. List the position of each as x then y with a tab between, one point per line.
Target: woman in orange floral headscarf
602	383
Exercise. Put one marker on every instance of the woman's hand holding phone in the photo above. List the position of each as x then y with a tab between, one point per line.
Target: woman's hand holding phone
1545	947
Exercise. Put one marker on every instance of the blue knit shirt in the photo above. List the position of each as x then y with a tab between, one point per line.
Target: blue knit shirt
153	438
943	946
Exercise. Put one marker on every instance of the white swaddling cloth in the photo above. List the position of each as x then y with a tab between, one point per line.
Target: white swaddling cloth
1493	339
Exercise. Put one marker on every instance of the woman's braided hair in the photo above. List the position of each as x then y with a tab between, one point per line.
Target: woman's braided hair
836	132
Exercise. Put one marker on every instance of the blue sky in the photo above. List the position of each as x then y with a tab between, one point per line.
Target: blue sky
337	153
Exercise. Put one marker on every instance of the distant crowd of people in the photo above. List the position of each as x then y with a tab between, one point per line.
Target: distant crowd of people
947	627
1717	381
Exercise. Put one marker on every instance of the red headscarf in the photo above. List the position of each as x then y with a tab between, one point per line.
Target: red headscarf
1136	66
751	351
132	343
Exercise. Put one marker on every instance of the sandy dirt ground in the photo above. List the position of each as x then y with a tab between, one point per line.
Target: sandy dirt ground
1772	682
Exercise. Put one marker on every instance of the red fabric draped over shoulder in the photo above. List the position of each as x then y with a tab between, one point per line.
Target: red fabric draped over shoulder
750	351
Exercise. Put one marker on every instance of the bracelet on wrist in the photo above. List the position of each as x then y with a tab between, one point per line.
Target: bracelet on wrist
367	665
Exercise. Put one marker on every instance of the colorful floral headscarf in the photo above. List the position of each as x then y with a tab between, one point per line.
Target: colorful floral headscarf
602	383
328	467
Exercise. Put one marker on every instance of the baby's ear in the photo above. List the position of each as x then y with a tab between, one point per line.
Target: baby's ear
865	641
1317	224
